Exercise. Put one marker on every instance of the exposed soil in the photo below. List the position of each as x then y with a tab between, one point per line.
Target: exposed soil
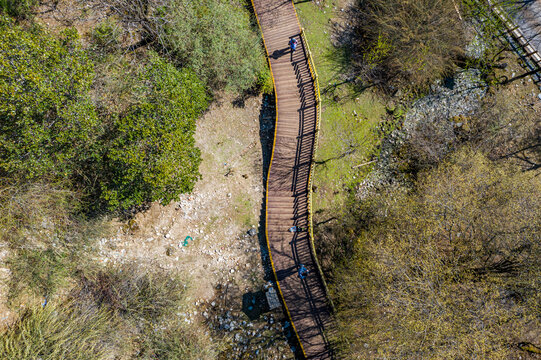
204	235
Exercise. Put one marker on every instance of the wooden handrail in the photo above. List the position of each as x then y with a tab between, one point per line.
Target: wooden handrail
315	79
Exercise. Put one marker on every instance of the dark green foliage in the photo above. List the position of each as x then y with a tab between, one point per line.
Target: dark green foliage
47	122
18	8
49	127
215	38
153	155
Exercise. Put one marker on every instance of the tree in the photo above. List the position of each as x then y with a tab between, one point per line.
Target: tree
408	43
50	127
222	48
151	153
47	122
215	38
450	270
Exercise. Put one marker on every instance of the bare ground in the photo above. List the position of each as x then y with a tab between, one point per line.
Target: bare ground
223	264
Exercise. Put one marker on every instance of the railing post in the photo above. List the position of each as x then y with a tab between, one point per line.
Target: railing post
315	79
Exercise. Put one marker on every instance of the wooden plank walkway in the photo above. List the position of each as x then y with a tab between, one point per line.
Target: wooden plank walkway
288	179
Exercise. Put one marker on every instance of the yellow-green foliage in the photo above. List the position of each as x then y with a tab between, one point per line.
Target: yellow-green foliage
59	332
450	270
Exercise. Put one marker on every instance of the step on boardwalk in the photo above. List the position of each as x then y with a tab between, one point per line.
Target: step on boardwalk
289	174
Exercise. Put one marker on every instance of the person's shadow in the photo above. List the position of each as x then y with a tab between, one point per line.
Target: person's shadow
279	53
284	273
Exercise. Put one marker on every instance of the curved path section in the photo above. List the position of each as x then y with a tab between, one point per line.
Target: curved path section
289	174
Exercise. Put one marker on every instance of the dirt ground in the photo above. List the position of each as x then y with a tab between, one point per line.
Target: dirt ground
205	236
224	205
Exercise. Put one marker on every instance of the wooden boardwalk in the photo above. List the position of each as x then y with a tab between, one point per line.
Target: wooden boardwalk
288	179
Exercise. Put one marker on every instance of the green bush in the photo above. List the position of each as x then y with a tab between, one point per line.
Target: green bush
49	126
265	83
152	154
107	34
222	46
18	8
47	122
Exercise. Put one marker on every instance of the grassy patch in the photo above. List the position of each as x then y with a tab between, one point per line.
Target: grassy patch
59	332
244	210
347	138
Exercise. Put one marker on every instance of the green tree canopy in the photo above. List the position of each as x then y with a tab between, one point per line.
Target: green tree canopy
214	38
47	121
50	128
152	154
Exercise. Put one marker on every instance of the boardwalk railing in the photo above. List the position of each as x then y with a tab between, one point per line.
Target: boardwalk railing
282	298
313	73
289	181
512	34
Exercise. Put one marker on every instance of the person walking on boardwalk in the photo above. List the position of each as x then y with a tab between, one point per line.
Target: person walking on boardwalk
294	229
293	44
303	272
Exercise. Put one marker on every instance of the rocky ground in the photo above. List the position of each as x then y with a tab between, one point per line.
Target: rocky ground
445	104
213	235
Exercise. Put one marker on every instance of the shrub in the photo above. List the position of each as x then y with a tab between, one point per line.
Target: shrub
506	128
146	304
223	48
107	34
265	83
150	153
18	8
47	122
133	292
405	43
448	271
49	127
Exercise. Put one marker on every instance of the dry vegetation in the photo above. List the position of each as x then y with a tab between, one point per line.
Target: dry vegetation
404	44
446	270
442	262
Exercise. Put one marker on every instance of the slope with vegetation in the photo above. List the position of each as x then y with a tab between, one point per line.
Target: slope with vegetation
435	252
98	117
